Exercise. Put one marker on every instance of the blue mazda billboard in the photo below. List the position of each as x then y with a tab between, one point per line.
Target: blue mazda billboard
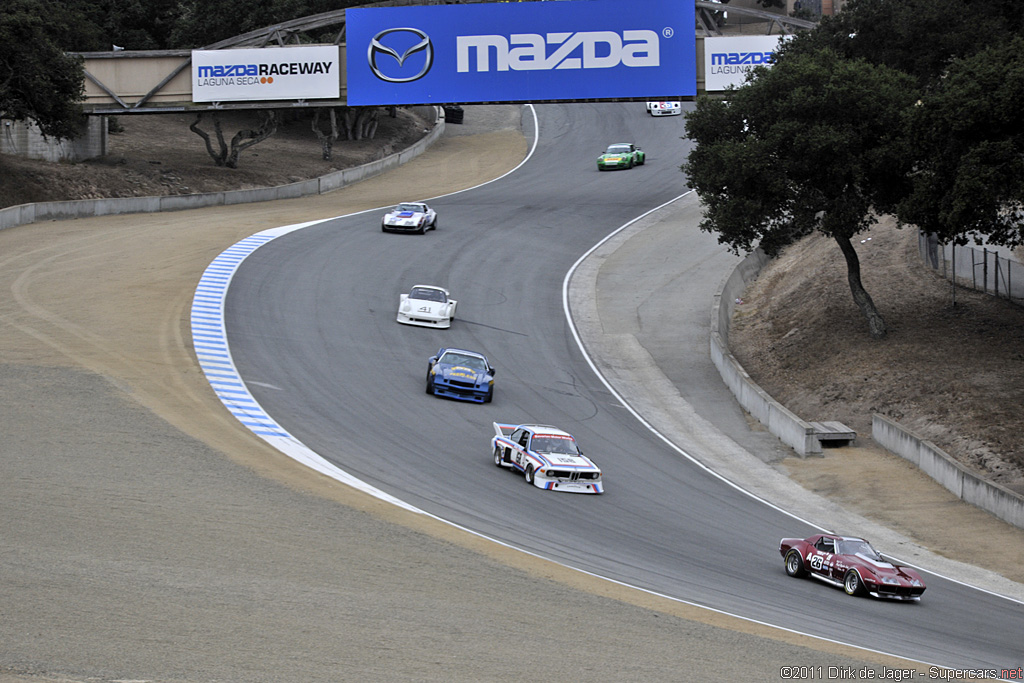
521	52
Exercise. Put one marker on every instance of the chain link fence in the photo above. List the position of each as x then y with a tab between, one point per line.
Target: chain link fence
984	269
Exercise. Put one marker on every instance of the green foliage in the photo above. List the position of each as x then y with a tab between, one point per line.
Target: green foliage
810	144
918	37
909	107
205	22
38	80
967	134
98	25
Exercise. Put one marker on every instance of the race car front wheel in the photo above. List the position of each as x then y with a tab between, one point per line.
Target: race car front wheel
430	385
853	584
795	564
529	474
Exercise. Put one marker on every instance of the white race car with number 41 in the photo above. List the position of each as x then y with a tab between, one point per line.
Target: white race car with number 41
426	306
547	456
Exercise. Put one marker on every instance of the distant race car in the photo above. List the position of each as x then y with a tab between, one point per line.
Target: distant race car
460	374
852	564
621	155
547	456
426	306
409	217
664	108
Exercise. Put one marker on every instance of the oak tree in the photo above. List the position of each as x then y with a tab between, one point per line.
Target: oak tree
38	80
814	143
966	133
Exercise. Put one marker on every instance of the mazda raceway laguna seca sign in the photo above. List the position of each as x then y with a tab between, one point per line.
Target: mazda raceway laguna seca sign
279	73
728	61
521	52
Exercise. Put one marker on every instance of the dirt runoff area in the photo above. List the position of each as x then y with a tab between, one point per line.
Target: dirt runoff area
148	536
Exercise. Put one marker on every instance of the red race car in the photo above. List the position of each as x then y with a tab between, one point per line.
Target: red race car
852	564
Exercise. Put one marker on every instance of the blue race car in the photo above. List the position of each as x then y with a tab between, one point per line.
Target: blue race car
460	374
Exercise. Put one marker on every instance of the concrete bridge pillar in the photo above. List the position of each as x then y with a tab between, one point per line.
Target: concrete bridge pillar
22	138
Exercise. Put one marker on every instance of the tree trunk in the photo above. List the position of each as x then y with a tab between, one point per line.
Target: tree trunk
219	157
268	126
367	123
876	325
228	155
326	139
348	120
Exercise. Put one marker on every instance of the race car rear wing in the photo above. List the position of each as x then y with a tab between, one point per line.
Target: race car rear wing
504	429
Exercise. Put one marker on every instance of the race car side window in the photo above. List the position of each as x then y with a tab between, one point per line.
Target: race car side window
518	436
825	545
523	438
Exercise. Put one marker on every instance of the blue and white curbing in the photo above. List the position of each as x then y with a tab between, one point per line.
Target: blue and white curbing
209	339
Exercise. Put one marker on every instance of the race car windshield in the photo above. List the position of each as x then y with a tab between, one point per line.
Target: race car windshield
425	294
618	149
409	207
472	362
555	444
863	548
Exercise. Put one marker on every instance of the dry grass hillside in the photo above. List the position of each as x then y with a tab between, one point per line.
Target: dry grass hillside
952	374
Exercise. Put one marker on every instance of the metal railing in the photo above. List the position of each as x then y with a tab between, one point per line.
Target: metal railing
984	269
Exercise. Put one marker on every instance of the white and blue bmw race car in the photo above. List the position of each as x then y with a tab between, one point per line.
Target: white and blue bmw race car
547	456
409	217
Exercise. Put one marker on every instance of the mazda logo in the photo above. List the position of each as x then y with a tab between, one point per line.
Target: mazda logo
377	48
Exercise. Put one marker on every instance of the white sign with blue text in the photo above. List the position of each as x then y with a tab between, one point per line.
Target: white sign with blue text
727	61
275	73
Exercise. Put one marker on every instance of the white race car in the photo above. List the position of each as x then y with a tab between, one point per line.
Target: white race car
547	457
409	217
426	306
664	108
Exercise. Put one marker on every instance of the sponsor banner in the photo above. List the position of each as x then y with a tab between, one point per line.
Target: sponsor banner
521	52
276	73
728	60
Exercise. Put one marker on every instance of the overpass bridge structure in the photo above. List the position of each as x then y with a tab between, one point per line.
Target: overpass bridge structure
130	82
159	81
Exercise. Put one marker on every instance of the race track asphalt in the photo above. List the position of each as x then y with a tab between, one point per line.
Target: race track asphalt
310	321
147	536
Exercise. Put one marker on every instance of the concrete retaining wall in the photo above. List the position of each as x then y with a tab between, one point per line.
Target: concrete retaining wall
49	211
964	484
789	428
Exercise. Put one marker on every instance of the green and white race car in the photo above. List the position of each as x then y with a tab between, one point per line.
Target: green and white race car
621	155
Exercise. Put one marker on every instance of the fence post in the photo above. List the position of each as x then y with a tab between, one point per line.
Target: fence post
984	270
953	279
